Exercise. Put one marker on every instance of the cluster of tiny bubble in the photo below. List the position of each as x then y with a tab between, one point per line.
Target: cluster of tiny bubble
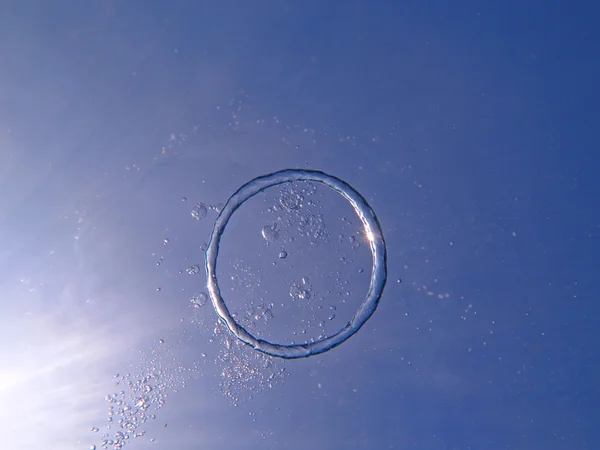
320	314
140	397
256	314
295	200
244	277
245	372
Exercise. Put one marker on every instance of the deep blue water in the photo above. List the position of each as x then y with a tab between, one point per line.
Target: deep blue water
470	128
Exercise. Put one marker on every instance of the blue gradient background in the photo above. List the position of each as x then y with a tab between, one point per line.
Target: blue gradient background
470	127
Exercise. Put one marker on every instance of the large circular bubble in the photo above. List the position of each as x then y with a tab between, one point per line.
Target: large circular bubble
373	234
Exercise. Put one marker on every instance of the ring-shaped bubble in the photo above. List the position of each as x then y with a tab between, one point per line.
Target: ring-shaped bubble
373	234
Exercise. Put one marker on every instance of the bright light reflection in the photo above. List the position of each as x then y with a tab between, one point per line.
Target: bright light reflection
369	235
52	383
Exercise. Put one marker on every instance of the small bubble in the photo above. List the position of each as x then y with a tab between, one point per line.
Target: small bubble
352	239
282	254
161	341
291	200
298	291
92	447
399	280
166	241
361	270
193	270
269	233
184	199
200	211
203	247
158	289
331	317
94	429
199	300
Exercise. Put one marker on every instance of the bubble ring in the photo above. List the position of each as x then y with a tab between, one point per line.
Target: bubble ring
373	233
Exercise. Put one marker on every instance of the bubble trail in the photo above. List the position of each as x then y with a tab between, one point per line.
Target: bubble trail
372	230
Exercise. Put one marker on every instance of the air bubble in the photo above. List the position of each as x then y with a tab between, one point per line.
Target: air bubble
199	300
200	211
298	292
294	291
270	233
291	200
376	241
193	270
282	254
